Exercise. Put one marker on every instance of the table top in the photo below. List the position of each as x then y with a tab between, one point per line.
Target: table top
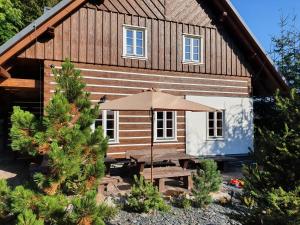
159	157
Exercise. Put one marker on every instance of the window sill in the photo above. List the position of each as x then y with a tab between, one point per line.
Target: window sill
135	57
165	140
192	63
113	142
215	139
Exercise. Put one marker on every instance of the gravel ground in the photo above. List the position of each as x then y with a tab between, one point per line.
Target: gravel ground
215	214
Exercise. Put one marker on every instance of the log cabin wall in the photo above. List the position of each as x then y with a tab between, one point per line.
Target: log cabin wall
135	127
92	37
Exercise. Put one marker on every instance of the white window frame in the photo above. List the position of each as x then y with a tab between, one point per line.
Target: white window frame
135	28
165	138
216	137
104	126
201	50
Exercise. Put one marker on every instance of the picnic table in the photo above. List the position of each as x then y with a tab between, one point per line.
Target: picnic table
181	157
161	173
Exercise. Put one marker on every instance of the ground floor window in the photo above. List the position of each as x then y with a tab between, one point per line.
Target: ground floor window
165	126
109	121
216	124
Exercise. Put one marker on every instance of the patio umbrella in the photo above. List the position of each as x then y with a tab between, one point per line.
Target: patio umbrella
154	100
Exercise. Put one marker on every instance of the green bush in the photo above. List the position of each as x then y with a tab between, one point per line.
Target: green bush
207	180
4	199
144	197
182	202
29	218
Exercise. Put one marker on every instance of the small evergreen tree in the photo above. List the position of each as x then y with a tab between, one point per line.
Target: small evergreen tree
144	197
274	182
286	50
64	193
206	181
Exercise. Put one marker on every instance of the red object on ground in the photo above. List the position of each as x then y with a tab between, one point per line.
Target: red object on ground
237	183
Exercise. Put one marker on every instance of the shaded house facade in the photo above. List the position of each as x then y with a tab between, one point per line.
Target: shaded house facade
198	49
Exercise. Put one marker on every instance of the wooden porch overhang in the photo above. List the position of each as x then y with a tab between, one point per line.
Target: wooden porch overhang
14	83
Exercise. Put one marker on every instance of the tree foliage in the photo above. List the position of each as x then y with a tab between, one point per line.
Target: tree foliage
64	191
144	197
206	181
274	181
32	9
11	20
286	50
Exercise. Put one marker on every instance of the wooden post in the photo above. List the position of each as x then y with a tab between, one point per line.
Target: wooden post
152	136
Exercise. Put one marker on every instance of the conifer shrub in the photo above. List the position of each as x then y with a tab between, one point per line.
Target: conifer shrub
182	201
273	182
145	197
65	191
206	181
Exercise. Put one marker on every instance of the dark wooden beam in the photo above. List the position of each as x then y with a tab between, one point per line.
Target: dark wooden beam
4	73
12	83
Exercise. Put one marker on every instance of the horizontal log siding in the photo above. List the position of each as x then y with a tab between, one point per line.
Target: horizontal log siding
134	127
94	36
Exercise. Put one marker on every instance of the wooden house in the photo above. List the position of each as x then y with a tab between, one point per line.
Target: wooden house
198	49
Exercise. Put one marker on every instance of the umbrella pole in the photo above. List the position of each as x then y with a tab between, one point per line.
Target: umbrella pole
152	136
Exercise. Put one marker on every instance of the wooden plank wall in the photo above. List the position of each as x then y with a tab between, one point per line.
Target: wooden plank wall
92	35
116	82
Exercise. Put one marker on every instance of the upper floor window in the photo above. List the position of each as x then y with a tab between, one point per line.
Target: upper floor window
165	126
216	124
134	43
109	121
192	49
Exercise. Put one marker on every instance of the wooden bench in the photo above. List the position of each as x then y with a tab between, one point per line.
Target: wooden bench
161	173
106	181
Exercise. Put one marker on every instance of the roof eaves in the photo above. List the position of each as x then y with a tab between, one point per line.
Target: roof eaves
256	40
34	25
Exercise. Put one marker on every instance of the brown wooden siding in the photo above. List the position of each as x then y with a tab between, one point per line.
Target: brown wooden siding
116	82
94	36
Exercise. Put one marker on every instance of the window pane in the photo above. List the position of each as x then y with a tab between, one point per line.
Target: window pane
219	123
187	41
110	124
160	115
139	51
160	133
196	42
139	35
211	124
129	50
211	132
169	124
211	115
187	49
160	124
129	34
169	133
196	57
219	132
187	56
219	116
110	134
139	43
169	115
129	41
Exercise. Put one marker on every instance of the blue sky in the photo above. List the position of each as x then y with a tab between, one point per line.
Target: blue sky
262	16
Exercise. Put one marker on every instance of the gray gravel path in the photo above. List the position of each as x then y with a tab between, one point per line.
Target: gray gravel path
214	215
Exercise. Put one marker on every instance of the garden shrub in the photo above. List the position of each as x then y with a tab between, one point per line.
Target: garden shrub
182	201
144	197
206	181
